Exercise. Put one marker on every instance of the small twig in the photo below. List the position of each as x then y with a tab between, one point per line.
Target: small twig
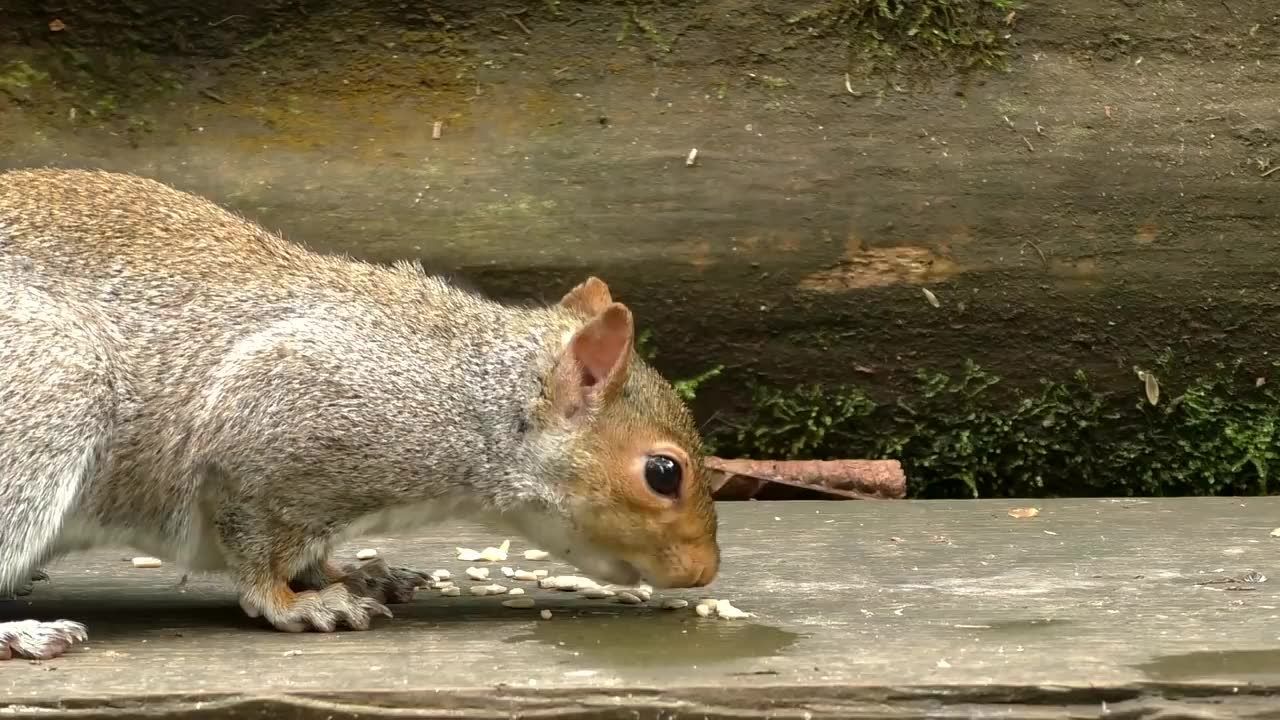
1039	252
511	15
229	17
214	96
1268	172
1014	128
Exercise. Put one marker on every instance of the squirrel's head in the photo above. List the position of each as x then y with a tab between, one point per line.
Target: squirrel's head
636	496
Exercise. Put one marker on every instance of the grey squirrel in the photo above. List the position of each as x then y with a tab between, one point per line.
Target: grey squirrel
178	379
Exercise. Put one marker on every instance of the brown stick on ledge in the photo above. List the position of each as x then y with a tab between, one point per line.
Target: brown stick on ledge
743	479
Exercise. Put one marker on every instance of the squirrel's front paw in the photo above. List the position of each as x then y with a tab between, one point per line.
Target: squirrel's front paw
383	583
39	640
325	609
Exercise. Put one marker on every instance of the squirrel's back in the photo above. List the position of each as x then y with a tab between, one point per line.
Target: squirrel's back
176	253
117	227
99	216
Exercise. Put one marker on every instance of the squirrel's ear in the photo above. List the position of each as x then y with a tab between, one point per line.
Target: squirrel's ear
589	298
595	363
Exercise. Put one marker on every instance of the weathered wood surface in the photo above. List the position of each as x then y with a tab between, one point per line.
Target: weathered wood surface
945	609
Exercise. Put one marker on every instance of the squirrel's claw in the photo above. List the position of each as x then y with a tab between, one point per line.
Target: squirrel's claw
39	640
27	587
383	583
325	610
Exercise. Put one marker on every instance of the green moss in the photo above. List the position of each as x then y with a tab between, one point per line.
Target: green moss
647	29
965	436
18	79
82	86
884	35
686	388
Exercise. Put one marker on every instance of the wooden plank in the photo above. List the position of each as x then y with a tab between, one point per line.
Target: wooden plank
890	609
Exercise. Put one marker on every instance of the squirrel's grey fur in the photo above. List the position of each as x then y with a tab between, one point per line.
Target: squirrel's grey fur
179	379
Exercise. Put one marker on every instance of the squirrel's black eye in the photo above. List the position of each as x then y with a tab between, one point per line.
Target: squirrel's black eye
663	475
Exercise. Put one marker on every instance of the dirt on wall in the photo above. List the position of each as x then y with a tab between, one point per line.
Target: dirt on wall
1107	195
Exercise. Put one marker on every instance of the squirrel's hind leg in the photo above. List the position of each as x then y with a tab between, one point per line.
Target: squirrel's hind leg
39	640
59	409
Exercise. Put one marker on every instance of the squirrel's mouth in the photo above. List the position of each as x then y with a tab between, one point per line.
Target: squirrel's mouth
621	572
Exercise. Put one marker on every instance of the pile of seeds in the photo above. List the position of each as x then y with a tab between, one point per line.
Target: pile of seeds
483	585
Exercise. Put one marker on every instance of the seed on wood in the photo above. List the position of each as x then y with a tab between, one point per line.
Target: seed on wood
440	584
726	610
536	554
451	591
703	610
541	573
545	614
291	653
496	554
477	573
1023	513
596	593
441	575
516	591
644	591
568	582
147	562
481	590
437	128
468	555
629	598
674	604
520	602
692	157
524	575
933	299
367	554
508	572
